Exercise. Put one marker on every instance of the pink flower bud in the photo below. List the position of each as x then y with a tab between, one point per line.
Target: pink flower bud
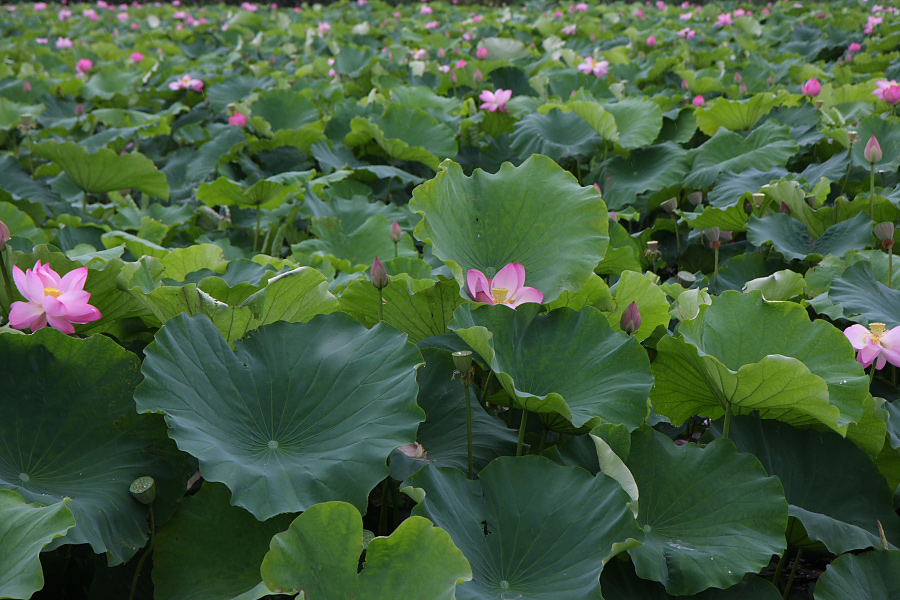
238	120
811	88
738	78
396	232
136	57
84	65
79	110
873	151
4	236
651	41
379	275
698	101
481	53
631	319
477	77
26	87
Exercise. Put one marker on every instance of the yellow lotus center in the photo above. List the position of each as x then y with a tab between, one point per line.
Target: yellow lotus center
52	292
877	330
500	296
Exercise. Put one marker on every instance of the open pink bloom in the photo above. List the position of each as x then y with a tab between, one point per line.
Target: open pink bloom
63	43
569	30
687	33
889	91
724	19
598	68
876	345
186	82
494	101
507	288
51	299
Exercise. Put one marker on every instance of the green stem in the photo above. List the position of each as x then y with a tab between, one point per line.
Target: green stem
890	266
387	194
872	192
256	235
522	432
578	170
380	305
6	284
484	390
716	267
790	581
871	375
147	552
727	426
395	501
849	164
469	430
776	578
395	250
677	242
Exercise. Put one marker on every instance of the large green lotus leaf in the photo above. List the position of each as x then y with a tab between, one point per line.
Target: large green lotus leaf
210	550
224	192
318	557
106	84
11	112
650	299
105	171
638	121
24	530
887	132
710	515
70	431
792	239
529	527
180	262
779	286
556	134
865	299
735	115
535	214
644	170
732	218
769	145
619	582
405	134
297	413
869	576
295	296
752	351
443	434
352	246
419	315
840	512
597	117
565	362
284	109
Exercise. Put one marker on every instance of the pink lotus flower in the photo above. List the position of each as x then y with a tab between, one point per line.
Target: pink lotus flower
651	41
889	91
460	64
63	43
186	82
598	68
425	10
724	19
51	299
698	101
323	27
136	57
494	101
84	65
238	119
854	47
811	88
481	53
569	30
687	33
432	25
42	41
877	346
581	7
507	288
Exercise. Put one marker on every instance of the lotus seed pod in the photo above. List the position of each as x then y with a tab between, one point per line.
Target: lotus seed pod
143	489
712	234
379	275
670	205
873	151
463	361
758	199
695	198
852	135
885	234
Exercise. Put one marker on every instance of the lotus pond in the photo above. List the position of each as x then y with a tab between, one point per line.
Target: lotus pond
432	301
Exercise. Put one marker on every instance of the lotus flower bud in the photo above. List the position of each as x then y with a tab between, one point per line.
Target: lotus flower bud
477	77
26	87
441	53
631	319
712	234
79	110
454	78
4	236
670	205
738	78
695	198
379	275
852	135
396	233
463	361
743	88
143	489
873	151
885	234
